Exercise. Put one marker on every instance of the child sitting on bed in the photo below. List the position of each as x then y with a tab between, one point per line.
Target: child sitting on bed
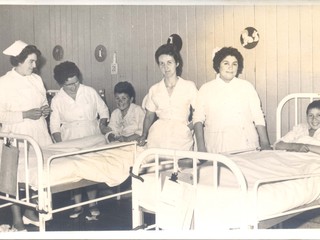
304	137
126	122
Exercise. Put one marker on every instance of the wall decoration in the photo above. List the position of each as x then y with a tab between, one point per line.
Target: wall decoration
249	38
100	53
57	53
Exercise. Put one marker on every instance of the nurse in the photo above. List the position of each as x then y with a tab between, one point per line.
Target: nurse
77	111
168	104
228	116
23	108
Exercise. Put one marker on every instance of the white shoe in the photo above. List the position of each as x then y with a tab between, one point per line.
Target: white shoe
13	229
94	211
27	221
76	213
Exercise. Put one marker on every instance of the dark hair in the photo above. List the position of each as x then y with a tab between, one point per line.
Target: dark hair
314	104
170	49
223	53
176	40
29	49
125	87
65	70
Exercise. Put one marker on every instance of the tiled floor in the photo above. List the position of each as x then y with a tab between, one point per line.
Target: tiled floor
116	215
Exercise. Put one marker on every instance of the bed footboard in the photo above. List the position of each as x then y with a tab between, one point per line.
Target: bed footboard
157	158
35	169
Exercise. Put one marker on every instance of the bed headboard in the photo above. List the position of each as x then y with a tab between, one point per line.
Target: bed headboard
291	111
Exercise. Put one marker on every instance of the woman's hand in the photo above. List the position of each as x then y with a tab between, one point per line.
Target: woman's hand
190	126
46	110
141	141
266	147
33	114
112	137
103	125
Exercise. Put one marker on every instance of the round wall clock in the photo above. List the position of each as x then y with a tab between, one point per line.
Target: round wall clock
100	53
57	53
249	38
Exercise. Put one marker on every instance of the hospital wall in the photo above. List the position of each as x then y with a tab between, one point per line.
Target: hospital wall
285	60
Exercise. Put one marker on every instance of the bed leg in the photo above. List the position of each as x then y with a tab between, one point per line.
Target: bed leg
137	217
42	227
118	191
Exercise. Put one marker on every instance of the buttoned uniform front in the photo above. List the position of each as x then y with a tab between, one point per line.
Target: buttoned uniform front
21	93
229	112
171	129
77	118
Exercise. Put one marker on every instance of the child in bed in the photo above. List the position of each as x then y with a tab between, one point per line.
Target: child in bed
304	137
126	122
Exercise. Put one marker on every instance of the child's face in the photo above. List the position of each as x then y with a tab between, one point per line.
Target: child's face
313	118
123	101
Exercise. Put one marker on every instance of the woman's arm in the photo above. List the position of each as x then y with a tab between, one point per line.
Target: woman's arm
57	137
33	114
263	137
198	130
147	122
103	125
190	122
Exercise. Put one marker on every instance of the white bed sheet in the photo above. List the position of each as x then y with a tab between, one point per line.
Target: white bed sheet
223	208
110	166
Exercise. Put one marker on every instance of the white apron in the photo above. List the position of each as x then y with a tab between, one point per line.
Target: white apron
79	129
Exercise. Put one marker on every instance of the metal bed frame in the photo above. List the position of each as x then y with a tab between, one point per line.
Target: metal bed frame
259	223
43	204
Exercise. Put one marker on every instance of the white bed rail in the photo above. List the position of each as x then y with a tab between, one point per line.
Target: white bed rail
90	150
261	182
43	205
175	155
24	142
296	98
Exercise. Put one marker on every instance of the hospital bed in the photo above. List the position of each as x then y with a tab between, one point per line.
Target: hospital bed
65	166
246	190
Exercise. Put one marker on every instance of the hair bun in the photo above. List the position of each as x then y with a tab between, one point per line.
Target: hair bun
176	40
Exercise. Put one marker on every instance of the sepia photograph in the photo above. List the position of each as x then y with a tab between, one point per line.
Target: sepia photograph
173	119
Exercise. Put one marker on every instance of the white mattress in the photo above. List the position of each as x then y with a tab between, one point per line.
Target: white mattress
110	166
223	208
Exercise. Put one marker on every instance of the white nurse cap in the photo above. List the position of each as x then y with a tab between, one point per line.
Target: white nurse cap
15	49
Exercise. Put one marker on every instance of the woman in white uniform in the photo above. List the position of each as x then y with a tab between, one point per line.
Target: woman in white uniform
24	107
169	100
77	111
228	115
